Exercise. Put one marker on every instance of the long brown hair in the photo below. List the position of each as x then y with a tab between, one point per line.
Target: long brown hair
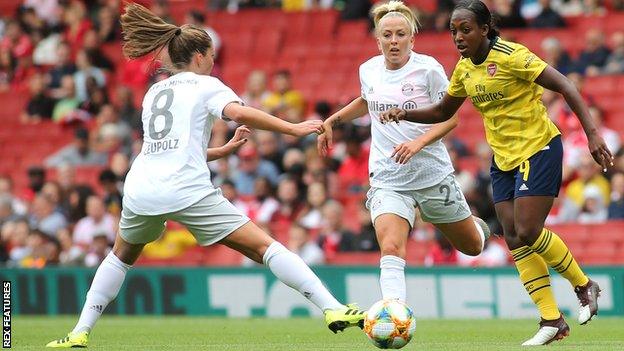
144	33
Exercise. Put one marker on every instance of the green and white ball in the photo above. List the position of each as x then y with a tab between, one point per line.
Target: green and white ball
389	324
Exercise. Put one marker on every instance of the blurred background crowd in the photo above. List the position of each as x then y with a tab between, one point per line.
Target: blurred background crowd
72	123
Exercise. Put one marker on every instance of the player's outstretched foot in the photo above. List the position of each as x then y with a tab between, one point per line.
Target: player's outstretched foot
549	331
340	319
588	299
78	339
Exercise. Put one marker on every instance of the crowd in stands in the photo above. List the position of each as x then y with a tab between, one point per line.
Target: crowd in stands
53	50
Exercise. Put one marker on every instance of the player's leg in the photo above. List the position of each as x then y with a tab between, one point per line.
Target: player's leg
532	269
538	181
535	278
214	219
291	270
392	214
445	206
135	231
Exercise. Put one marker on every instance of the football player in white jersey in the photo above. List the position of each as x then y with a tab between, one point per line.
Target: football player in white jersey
409	166
170	178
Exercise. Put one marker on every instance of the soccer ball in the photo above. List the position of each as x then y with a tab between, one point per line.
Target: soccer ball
389	324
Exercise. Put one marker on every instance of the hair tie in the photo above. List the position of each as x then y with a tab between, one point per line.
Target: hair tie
178	31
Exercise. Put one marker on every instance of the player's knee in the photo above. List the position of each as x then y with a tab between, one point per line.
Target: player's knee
392	248
527	233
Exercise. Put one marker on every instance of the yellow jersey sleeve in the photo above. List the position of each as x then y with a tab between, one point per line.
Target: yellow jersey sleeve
456	86
525	65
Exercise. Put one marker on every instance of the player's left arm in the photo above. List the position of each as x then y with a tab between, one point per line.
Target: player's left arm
240	137
551	79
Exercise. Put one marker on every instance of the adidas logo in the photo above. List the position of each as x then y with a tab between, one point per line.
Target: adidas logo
523	187
307	294
370	90
97	308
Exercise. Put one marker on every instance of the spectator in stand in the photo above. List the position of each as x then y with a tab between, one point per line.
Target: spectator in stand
161	9
126	109
269	148
6	189
229	192
594	8
547	18
48	10
560	112
594	209
588	175
65	109
86	70
265	202
556	56
353	172
16	41
15	234
98	250
112	192
594	56
480	199
120	165
283	95
110	134
71	254
76	25
40	105
508	12
616	207
107	25
36	179
575	143
79	153
197	18
334	237
615	62
98	221
44	217
7	69
289	198
250	167
63	66
312	217
300	243
77	198
6	209
92	47
256	89
465	179
66	177
53	191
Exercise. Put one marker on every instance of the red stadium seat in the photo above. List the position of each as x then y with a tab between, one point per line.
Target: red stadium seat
354	258
266	43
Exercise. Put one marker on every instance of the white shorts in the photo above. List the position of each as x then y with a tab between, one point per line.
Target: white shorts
441	203
209	220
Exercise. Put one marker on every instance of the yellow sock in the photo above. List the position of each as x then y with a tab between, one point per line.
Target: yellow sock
555	252
534	275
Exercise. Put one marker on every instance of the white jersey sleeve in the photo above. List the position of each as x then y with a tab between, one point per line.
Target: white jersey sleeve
418	83
171	173
438	83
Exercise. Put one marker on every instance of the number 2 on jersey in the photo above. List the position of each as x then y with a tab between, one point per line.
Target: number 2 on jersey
161	111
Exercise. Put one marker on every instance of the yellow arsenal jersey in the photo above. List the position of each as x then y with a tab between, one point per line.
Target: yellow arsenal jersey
502	88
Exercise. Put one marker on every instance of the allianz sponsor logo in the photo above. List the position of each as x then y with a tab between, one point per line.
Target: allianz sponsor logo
376	106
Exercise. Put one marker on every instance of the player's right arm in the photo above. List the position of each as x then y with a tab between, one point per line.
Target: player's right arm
353	110
255	118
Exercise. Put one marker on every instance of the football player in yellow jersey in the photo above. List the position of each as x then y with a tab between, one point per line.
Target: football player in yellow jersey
504	81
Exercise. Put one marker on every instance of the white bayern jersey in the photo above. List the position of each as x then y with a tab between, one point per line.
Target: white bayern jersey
171	173
420	82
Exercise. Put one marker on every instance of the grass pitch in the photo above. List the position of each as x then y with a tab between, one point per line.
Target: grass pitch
194	333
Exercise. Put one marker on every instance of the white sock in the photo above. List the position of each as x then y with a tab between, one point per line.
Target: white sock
292	271
104	288
480	230
392	277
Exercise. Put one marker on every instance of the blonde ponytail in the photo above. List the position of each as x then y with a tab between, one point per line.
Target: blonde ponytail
395	8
